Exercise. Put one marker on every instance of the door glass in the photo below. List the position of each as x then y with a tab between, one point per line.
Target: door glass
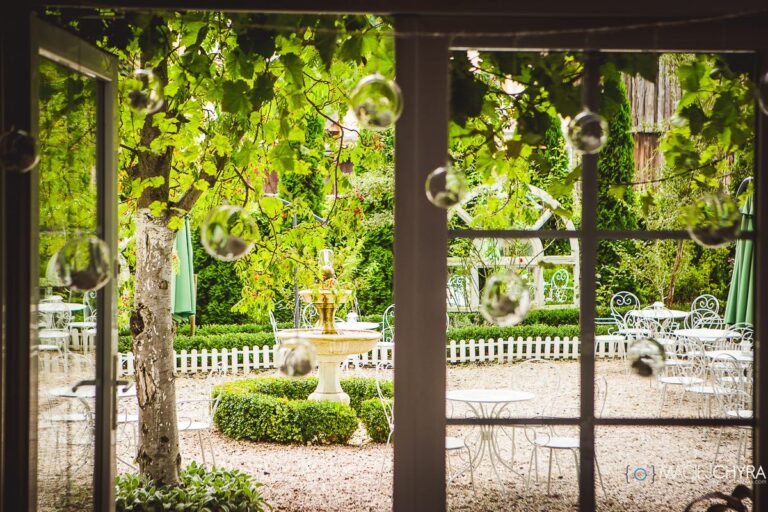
67	317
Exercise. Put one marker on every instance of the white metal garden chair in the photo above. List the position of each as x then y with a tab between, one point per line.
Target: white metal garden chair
83	333
706	302
196	415
736	403
703	319
549	438
706	370
676	370
453	445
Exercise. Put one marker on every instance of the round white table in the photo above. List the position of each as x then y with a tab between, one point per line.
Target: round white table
60	307
357	326
708	335
738	355
89	391
659	313
490	404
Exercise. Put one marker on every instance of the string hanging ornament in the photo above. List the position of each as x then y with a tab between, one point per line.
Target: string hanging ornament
18	151
505	299
228	233
376	101
146	94
83	263
446	186
714	220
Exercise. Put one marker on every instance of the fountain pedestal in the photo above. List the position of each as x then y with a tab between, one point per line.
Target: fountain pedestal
332	350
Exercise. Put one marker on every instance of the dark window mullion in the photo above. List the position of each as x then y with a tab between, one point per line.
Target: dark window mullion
590	99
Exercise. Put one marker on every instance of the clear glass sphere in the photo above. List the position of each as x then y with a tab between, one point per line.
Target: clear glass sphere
646	356
83	263
588	132
762	93
714	220
296	357
228	233
146	92
376	102
446	186
18	151
505	299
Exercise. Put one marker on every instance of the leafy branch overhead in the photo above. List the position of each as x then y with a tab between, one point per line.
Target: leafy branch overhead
502	104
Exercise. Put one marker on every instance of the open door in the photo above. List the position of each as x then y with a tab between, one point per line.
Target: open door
59	390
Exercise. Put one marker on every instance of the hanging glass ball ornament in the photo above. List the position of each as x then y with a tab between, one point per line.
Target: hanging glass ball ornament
588	132
646	356
714	220
146	92
446	186
18	151
376	102
762	93
505	299
296	357
228	233
83	263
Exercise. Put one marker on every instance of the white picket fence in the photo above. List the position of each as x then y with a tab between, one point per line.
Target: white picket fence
472	351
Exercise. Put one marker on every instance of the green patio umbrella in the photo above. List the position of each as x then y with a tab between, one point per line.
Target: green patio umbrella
741	294
184	296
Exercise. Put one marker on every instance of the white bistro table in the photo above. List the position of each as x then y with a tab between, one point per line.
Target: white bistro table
489	404
357	326
50	308
738	355
659	314
708	335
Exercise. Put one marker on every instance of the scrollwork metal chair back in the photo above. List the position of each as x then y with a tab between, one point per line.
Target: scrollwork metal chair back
622	300
703	319
309	316
388	325
273	322
558	287
706	302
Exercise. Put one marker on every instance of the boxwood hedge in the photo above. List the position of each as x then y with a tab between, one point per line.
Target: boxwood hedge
240	340
277	409
375	420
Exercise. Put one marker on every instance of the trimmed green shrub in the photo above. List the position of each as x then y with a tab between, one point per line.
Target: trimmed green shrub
277	409
202	489
361	389
220	341
375	421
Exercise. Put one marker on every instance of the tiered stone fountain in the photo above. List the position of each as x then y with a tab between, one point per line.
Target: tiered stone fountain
332	346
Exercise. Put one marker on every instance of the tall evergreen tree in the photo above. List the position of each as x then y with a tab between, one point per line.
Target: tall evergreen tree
616	167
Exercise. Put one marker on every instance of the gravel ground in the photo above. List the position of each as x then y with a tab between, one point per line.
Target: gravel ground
358	476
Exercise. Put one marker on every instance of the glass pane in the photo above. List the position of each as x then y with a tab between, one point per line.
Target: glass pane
67	318
666	468
508	134
674	333
681	130
499	370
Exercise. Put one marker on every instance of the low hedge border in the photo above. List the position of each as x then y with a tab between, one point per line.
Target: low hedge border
277	409
260	339
375	420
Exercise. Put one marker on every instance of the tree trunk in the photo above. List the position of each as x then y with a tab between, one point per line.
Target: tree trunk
675	269
153	330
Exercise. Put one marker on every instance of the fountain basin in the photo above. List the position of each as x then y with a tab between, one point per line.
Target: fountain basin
332	350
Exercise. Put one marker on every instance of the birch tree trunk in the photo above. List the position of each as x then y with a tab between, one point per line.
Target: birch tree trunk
153	330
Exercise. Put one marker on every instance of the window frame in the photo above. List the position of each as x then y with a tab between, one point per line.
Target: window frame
420	279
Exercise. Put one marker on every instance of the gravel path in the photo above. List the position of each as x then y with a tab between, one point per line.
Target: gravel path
358	476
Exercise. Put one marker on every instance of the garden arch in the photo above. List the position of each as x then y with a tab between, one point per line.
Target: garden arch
464	294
